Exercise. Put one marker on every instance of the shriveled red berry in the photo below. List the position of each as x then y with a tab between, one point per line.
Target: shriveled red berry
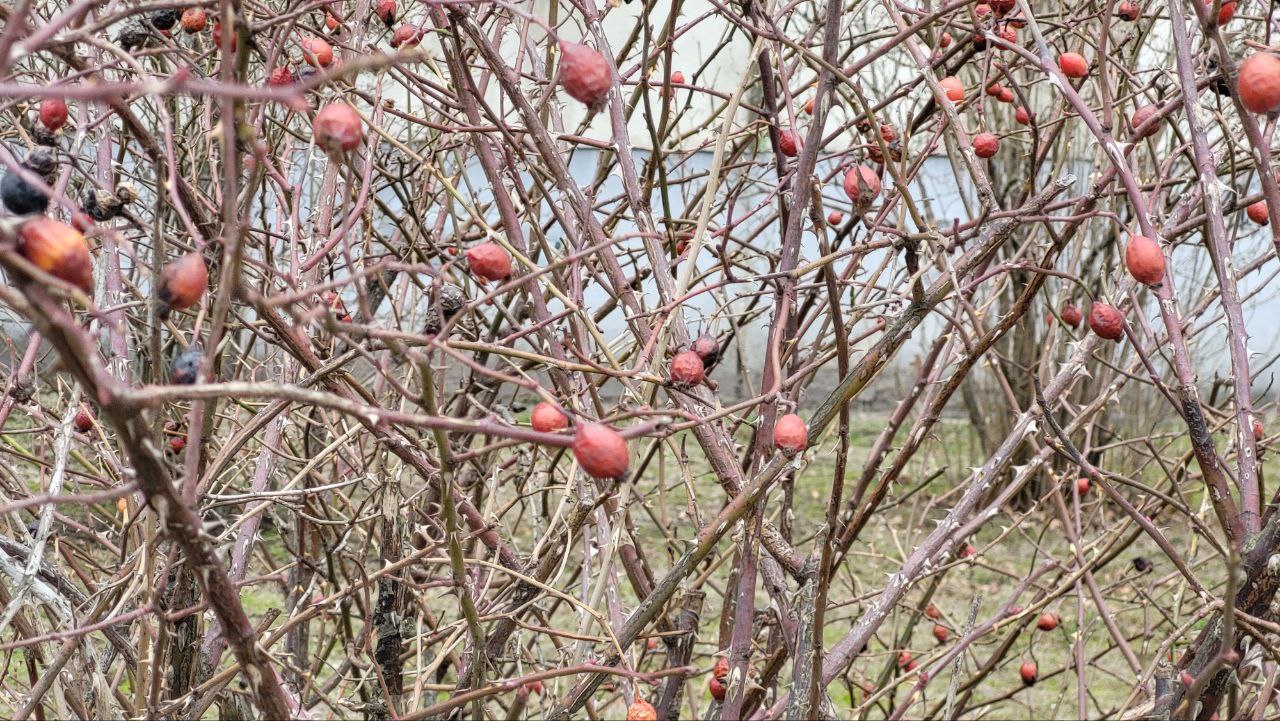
282	75
1006	95
57	249
687	368
986	145
584	73
708	349
548	418
406	36
1082	486
177	444
184	281
944	40
489	261
1022	115
932	612
1107	321
835	218
194	20
53	113
721	668
790	434
677	78
1257	212
905	659
789	143
641	710
1073	65
1048	621
1258	433
717	688
601	451
1145	260
1071	315
994	89
1029	673
337	128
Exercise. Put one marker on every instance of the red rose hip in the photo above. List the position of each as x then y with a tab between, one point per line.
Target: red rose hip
58	250
1257	212
986	145
1258	83
954	89
547	418
489	261
790	434
601	451
584	74
1140	116
687	368
84	419
789	143
337	128
641	710
1106	321
1073	65
193	20
1071	315
184	281
1145	260
1029	673
862	185
317	52
941	633
53	113
406	36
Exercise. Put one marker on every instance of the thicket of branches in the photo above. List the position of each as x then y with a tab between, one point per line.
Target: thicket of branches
308	266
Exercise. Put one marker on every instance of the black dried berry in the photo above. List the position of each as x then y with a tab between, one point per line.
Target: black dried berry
183	370
102	205
133	36
165	19
43	162
451	299
21	197
44	136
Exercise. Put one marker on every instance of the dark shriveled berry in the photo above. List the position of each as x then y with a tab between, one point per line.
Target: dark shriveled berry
21	197
133	36
165	19
183	370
